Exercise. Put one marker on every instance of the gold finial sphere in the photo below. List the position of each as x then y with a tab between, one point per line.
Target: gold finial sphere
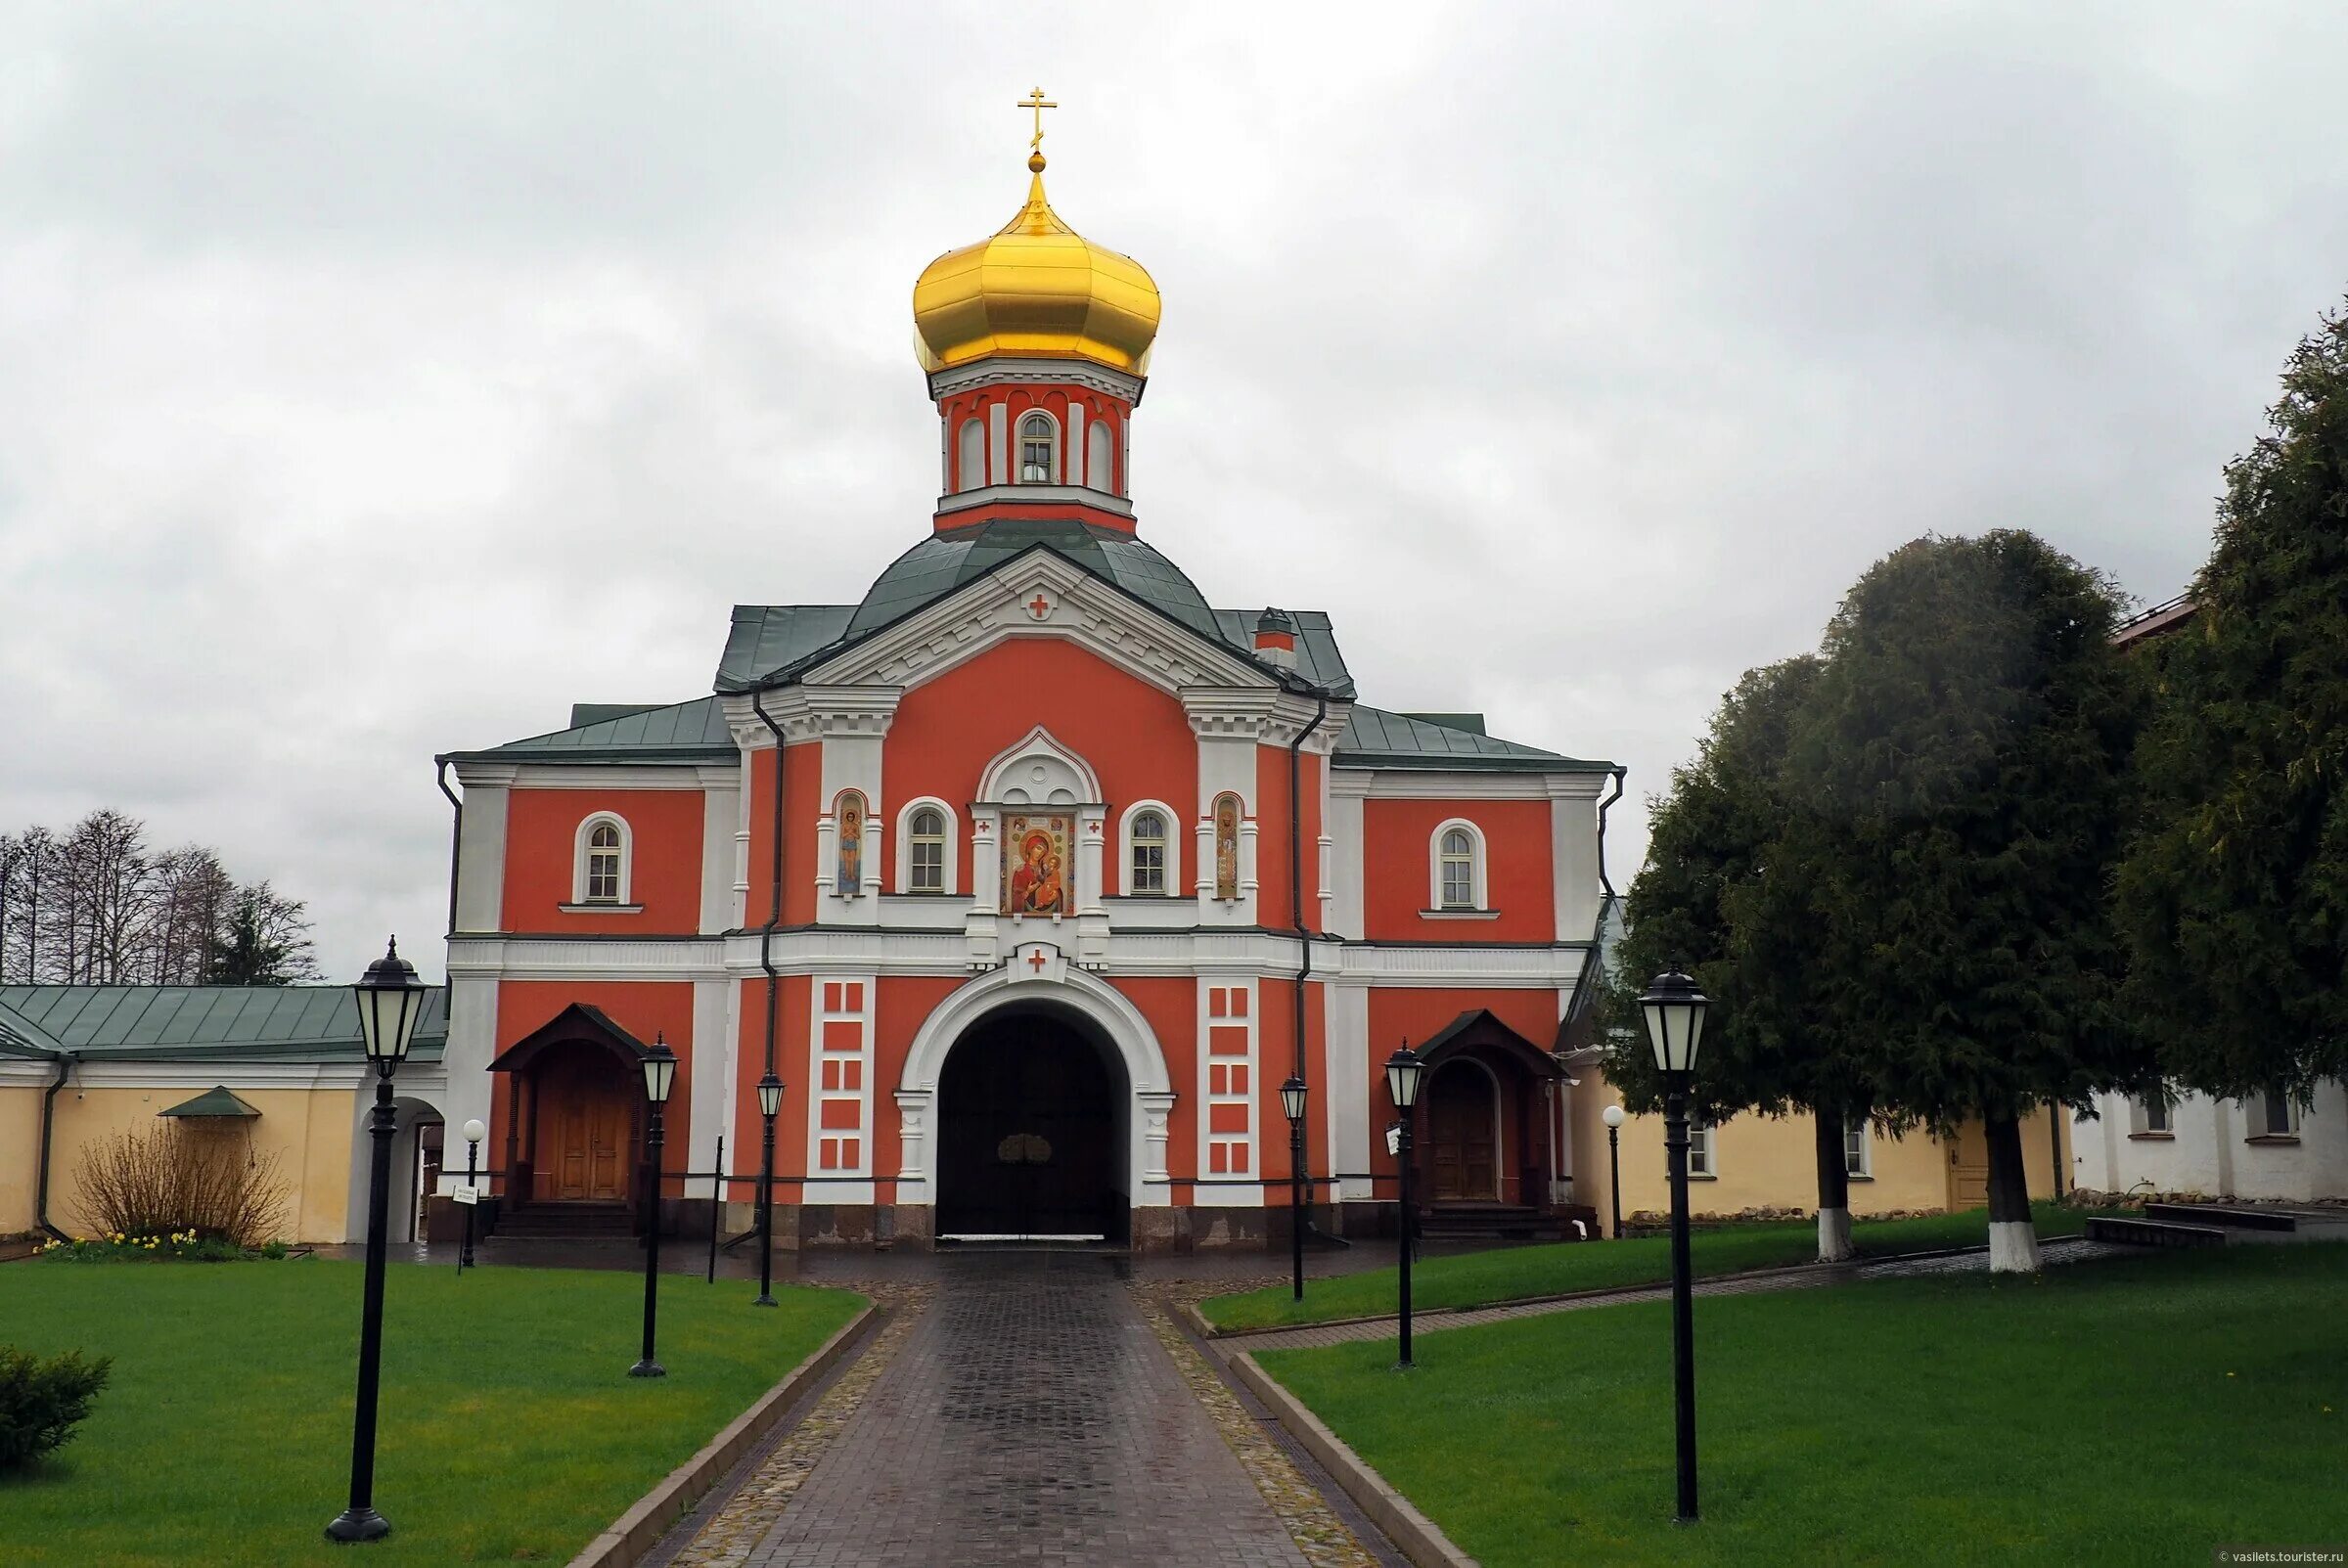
1035	162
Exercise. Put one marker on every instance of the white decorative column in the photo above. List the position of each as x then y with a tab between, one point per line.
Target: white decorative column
978	922
1071	449
1157	1113
1092	915
913	1136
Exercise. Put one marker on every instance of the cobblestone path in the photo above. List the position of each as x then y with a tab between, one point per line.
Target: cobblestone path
1802	1276
1031	1415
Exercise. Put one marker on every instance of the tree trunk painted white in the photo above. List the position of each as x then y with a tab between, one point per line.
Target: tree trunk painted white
2012	1242
2012	1247
1834	1189
1834	1236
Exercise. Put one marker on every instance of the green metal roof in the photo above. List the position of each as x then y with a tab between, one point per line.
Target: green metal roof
1376	738
1318	658
216	1100
681	733
315	1023
773	637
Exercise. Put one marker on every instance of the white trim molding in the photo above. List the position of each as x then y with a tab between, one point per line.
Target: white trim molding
1478	857
578	860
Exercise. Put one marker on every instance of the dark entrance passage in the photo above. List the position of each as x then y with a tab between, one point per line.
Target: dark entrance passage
1029	1139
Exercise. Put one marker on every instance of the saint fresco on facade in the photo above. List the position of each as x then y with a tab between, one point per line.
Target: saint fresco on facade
1227	846
1036	866
850	824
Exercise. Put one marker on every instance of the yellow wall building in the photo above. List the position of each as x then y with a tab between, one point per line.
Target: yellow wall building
1757	1162
92	1061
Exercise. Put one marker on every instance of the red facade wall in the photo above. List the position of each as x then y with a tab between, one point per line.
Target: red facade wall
1396	840
664	827
648	1009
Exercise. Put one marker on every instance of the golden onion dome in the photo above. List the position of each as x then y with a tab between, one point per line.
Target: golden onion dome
1036	290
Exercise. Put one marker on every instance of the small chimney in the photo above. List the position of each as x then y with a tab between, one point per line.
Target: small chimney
1275	638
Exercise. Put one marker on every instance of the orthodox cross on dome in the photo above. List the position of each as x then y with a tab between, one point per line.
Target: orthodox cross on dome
1037	101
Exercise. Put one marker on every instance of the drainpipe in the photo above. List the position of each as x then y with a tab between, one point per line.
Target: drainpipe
1581	983
456	836
774	913
1304	935
40	1202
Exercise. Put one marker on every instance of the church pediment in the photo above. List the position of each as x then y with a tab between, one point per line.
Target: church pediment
1040	594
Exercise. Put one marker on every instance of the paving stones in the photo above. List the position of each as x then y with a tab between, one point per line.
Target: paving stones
1030	1414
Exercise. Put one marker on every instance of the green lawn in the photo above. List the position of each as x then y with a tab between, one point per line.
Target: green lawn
1511	1274
2140	1411
510	1431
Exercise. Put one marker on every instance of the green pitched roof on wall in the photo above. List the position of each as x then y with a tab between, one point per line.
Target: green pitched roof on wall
1376	738
216	1100
682	731
316	1023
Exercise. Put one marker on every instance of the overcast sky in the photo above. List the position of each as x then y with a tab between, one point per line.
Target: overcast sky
376	383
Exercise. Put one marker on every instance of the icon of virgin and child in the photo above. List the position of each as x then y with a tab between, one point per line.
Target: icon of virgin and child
1038	881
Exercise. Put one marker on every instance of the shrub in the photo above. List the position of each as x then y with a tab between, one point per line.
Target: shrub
170	1177
40	1401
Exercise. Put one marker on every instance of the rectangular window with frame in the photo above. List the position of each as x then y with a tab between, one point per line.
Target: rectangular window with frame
2152	1112
928	866
1700	1147
2272	1115
1858	1149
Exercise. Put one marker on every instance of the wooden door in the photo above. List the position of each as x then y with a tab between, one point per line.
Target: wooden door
1968	1168
1463	1134
586	1129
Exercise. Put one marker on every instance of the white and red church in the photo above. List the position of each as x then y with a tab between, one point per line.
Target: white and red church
1029	874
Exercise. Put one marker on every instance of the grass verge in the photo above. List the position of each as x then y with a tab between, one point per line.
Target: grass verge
509	1432
1513	1273
2143	1410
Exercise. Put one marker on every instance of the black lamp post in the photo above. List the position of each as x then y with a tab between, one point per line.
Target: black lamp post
659	1074
770	1104
1404	1069
475	1132
1675	1026
1292	1101
1612	1117
390	1000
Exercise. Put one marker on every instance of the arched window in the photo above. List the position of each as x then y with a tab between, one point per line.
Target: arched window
929	852
928	847
1100	464
970	467
601	862
1039	443
1147	855
1456	869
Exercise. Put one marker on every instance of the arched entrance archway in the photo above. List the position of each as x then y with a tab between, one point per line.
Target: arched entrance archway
1032	1132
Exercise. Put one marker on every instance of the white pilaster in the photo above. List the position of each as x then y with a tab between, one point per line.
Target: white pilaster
1345	1076
712	1078
1347	790
1071	449
482	858
721	812
998	444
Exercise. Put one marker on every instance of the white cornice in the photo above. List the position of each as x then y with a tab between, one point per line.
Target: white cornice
607	775
1413	784
945	383
178	1074
1135	953
810	711
1263	713
1076	495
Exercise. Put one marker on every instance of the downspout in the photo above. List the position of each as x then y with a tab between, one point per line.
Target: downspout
1304	935
456	836
1598	927
774	913
40	1202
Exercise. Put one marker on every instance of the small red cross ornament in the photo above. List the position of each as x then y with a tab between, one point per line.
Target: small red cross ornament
1039	607
1035	960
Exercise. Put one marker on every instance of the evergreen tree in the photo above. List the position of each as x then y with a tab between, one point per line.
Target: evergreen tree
1967	746
2234	894
1730	891
264	941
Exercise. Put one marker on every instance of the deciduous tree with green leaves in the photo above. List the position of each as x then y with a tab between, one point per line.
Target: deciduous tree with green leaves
1967	746
1730	891
2233	894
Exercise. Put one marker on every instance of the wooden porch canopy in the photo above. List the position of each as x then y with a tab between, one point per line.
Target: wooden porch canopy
578	1023
1478	1027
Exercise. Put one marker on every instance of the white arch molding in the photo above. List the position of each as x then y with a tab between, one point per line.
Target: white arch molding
1150	1088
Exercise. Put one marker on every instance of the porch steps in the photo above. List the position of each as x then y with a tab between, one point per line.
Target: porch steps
2259	1222
1497	1221
2135	1232
567	1222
